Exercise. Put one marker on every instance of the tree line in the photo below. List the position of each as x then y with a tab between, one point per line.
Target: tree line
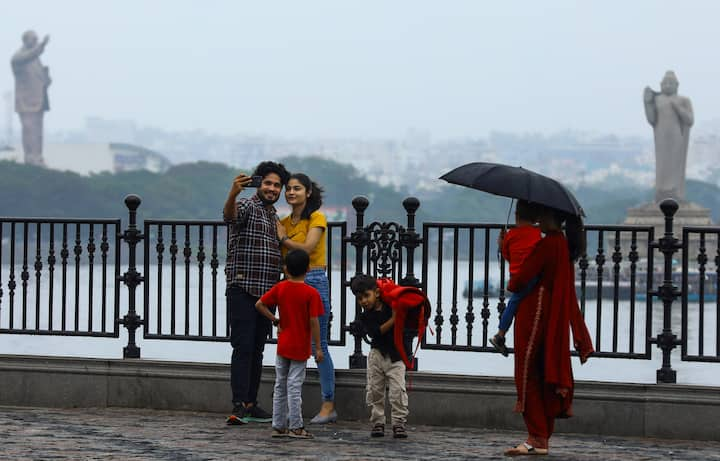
198	191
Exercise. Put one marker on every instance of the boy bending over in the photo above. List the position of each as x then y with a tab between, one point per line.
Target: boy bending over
385	366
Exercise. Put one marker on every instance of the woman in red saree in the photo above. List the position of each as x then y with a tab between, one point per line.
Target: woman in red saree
543	373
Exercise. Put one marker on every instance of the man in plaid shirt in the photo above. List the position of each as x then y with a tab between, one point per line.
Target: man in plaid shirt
253	267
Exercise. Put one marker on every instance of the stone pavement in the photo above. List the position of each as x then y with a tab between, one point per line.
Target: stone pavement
129	434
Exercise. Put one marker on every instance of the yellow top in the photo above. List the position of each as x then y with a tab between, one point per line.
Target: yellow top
298	233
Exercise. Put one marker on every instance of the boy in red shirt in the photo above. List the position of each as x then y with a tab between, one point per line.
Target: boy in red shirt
516	246
299	306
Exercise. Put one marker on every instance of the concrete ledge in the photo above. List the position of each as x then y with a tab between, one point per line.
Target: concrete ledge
669	411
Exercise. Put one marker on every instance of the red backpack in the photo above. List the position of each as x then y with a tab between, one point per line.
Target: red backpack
412	311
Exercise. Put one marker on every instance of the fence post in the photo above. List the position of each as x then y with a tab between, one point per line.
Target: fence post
359	239
410	240
667	245
132	278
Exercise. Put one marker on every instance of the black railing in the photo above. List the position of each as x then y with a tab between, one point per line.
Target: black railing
468	254
337	274
62	276
383	250
467	251
184	279
180	254
612	283
700	336
50	283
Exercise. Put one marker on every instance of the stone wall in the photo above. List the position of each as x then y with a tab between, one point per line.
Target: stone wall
645	410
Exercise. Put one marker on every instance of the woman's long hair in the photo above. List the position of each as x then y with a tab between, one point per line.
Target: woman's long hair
314	202
574	232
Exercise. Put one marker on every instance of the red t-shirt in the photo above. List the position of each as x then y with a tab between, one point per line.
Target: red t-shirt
297	304
518	243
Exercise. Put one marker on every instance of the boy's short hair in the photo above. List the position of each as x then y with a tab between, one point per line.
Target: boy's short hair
297	262
362	283
526	210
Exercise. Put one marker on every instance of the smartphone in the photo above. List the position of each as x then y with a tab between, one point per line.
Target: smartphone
256	181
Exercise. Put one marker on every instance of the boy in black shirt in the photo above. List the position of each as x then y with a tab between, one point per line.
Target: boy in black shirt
384	367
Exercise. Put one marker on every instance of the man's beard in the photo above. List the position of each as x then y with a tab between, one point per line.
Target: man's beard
266	201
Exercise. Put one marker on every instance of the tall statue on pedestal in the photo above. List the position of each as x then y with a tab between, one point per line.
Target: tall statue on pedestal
671	116
31	99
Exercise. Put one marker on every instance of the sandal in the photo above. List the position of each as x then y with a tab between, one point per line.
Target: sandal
279	432
300	433
525	449
378	430
399	432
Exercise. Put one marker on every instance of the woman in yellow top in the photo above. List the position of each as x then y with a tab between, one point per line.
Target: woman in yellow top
305	230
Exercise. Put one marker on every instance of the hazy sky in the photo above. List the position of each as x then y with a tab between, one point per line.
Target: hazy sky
368	68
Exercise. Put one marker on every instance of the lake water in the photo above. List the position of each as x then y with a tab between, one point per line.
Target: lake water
473	363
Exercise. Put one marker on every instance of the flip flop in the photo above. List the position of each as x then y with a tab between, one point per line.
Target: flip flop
525	449
299	433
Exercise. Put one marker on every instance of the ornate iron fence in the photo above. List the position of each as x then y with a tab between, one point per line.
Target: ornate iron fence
195	247
617	285
702	284
184	280
460	269
62	276
470	253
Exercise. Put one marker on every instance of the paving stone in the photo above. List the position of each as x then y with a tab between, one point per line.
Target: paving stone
131	434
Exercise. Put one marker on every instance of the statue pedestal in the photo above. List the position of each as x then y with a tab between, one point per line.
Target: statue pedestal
688	215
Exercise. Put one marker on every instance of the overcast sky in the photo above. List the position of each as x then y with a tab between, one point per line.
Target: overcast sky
370	68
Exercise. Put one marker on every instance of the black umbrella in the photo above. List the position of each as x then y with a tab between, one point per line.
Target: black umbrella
515	182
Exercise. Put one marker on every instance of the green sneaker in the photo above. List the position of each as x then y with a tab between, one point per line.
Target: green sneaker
256	414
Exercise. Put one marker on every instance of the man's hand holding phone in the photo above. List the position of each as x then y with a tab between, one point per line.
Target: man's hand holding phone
240	182
238	185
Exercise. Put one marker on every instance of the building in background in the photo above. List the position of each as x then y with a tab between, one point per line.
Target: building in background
92	158
129	157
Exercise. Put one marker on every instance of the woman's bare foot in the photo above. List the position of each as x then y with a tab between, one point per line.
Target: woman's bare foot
525	449
327	414
326	409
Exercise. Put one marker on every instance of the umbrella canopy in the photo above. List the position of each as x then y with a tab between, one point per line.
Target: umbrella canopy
515	182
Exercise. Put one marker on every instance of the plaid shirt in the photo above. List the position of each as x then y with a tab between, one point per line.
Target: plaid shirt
253	261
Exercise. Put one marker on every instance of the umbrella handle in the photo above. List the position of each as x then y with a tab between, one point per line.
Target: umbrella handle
507	223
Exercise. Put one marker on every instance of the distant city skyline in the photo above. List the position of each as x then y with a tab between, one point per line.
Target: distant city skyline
414	161
370	69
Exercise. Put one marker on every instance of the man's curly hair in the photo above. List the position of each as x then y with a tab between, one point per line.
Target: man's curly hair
265	168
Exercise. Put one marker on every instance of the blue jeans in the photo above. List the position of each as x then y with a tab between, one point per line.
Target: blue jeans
317	279
507	316
287	397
